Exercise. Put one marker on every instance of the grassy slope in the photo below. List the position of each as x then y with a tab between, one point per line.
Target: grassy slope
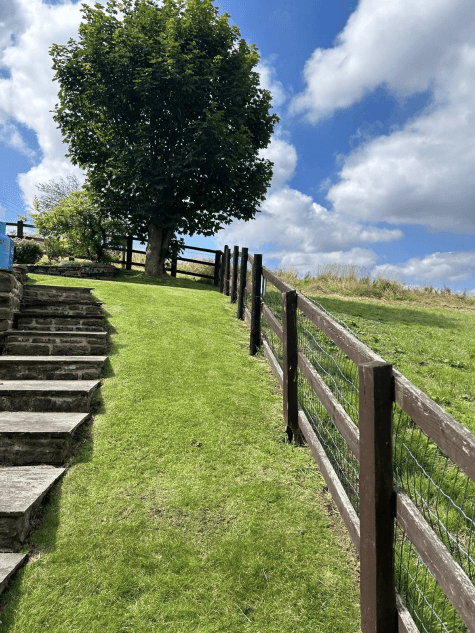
433	347
185	510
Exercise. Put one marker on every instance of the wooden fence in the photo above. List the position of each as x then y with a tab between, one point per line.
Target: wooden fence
127	259
380	385
128	250
381	500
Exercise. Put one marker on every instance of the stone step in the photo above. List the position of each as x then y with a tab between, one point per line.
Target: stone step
41	299
59	323
22	488
33	295
30	437
31	288
51	367
90	309
47	395
43	343
9	564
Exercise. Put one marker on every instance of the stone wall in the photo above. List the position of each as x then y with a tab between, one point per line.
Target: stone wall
98	271
11	292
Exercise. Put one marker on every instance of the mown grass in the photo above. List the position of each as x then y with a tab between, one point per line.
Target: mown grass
183	508
428	336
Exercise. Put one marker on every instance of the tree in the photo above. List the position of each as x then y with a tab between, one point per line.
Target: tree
80	226
54	192
163	110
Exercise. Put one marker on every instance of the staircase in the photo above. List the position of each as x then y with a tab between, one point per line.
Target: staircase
49	373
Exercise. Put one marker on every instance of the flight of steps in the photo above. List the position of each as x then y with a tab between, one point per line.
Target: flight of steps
49	372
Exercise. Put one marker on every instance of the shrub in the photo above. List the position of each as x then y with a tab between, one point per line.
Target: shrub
26	252
54	248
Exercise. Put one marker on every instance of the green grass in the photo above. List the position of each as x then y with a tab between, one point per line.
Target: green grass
183	508
429	337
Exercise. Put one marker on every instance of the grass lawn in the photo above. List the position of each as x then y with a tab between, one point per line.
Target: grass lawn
184	509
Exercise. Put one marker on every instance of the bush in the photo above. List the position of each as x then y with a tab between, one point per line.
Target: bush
26	252
54	248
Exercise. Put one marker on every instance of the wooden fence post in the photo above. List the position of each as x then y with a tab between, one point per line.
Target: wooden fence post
377	506
235	273
255	341
221	271
130	241
124	249
19	228
174	262
242	284
217	262
290	349
226	270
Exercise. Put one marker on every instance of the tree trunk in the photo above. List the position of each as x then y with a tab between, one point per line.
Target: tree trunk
158	239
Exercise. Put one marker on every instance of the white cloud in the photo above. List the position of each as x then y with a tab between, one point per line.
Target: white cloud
312	262
12	21
284	157
29	94
10	136
304	232
268	81
420	172
404	44
451	266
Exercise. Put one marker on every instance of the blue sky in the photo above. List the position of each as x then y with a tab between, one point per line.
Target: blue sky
374	154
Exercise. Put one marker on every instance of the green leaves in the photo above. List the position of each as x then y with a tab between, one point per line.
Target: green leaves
76	225
162	110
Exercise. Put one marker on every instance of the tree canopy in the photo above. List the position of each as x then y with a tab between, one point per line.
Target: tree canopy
73	223
161	106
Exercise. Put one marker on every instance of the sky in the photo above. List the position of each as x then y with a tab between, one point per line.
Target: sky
374	154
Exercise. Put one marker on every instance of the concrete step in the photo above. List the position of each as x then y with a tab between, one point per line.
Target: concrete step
51	367
29	437
44	343
47	395
22	488
9	564
59	323
90	309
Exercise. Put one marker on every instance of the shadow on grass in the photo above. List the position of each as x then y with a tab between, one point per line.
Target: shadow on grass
138	277
384	313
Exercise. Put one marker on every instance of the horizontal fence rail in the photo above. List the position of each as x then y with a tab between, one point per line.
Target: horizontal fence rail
417	565
400	469
128	250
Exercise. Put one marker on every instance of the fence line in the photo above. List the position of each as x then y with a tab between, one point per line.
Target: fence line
383	517
382	506
128	250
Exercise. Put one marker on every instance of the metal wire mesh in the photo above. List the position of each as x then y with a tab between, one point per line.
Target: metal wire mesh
442	492
446	498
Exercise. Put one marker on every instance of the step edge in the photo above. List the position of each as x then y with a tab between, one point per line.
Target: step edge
39	498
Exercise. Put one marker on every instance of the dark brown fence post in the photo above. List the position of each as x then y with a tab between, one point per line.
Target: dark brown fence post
235	274
290	349
124	249
217	262
227	266
242	284
174	262
130	241
19	228
256	305
221	271
377	500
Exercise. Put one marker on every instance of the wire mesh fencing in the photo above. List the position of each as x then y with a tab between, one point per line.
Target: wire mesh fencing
446	498
441	491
